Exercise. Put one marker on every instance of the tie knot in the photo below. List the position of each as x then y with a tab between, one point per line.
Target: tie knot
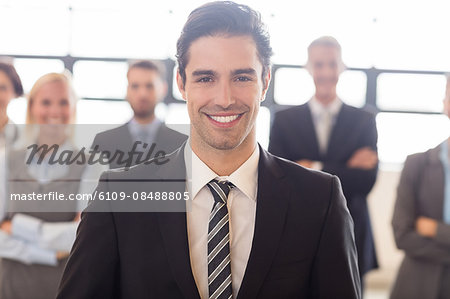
220	190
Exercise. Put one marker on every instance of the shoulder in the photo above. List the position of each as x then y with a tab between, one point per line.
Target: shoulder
304	189
422	158
361	113
171	133
292	111
289	116
300	177
111	134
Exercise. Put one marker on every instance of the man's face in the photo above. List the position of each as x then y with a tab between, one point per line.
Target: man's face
325	66
145	90
223	90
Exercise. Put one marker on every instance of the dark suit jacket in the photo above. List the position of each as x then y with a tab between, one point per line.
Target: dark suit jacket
120	138
293	137
427	260
303	245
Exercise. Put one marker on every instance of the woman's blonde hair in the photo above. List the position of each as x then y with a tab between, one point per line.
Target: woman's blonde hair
64	78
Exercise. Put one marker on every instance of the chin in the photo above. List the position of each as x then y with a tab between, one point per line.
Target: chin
223	144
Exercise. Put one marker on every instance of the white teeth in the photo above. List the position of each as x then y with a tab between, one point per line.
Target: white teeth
224	119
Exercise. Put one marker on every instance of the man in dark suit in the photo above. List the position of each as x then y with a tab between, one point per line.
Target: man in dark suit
328	135
257	226
146	88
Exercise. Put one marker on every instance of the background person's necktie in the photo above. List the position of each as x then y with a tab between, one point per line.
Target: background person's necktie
324	130
219	267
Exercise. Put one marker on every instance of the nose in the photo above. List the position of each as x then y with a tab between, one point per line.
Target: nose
142	92
224	95
55	111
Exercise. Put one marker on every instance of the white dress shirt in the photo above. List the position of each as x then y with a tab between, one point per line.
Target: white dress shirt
241	208
323	128
319	113
149	130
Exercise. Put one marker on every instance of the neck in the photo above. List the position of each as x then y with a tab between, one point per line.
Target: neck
326	99
224	162
144	120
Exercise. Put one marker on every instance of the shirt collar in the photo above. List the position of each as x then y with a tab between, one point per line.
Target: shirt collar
245	178
317	108
136	127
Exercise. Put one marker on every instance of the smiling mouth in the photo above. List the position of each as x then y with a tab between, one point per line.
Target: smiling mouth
225	119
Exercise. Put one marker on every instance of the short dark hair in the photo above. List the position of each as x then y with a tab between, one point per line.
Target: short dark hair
223	17
11	73
149	65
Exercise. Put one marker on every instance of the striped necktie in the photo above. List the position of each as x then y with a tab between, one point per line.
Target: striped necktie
219	267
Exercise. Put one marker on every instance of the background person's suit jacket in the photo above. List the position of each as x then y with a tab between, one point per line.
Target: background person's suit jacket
293	137
121	139
421	193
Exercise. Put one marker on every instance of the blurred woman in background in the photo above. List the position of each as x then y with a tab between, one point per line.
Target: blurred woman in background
34	239
421	222
10	88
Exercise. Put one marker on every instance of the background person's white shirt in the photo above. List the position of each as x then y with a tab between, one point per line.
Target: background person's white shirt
323	134
242	210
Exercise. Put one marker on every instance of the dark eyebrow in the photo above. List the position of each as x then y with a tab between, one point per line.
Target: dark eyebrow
197	73
248	71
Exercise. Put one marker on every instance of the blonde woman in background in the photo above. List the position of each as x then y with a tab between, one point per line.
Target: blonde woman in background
421	222
34	240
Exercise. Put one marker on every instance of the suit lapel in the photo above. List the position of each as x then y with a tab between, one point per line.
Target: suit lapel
308	130
173	229
125	139
271	208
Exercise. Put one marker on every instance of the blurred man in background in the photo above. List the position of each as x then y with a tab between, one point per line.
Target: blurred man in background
146	88
326	134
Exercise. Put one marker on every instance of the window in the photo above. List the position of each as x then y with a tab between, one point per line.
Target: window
294	86
112	112
100	79
410	92
39	28
30	70
402	134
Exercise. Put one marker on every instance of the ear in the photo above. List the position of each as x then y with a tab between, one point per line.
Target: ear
181	85
266	84
342	67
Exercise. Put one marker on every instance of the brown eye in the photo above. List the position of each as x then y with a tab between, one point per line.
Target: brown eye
205	79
